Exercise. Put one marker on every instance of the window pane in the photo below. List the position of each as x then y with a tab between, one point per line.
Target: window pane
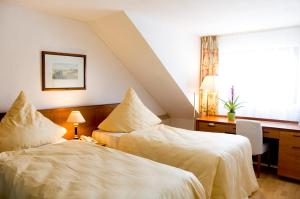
264	68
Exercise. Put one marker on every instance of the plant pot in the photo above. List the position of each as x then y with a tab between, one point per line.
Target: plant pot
231	116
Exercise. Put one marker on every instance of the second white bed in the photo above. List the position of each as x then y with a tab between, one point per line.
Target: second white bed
108	139
221	162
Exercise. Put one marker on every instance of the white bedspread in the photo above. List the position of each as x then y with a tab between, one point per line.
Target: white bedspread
80	170
108	139
222	162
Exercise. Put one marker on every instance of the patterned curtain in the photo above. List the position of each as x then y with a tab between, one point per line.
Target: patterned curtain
208	66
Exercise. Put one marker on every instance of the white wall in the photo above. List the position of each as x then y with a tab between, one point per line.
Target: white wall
182	123
129	45
177	49
24	33
179	52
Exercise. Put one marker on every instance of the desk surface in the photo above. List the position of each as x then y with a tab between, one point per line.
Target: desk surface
290	126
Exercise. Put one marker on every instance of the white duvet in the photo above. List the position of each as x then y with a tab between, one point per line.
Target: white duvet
78	170
222	162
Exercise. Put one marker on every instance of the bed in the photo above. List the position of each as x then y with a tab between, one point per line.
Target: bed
75	169
221	162
108	139
36	163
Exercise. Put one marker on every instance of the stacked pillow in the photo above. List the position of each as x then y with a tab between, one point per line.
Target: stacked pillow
24	127
131	114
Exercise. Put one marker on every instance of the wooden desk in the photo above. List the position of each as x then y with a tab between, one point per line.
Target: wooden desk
287	133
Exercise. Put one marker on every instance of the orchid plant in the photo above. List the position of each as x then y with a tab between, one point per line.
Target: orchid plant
232	104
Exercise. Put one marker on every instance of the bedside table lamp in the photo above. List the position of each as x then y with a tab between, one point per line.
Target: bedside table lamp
208	85
76	118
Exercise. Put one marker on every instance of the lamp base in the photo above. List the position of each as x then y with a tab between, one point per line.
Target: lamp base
75	133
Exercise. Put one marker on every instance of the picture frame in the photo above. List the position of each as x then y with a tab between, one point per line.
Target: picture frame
63	71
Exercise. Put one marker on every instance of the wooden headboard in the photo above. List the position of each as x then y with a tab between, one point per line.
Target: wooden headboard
93	115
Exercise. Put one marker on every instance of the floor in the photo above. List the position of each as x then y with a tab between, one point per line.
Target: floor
272	186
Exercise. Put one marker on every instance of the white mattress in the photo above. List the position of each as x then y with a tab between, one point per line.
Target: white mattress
108	139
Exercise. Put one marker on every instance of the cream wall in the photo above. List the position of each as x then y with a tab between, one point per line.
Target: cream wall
182	123
129	45
179	51
177	48
24	33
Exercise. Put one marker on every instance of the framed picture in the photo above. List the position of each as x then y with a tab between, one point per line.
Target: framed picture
63	71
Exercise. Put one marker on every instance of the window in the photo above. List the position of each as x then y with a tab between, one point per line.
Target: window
264	68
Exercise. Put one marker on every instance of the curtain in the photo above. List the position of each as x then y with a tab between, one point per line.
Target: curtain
264	68
208	66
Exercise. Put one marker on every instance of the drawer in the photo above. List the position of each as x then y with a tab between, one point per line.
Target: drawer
289	155
215	127
289	139
271	133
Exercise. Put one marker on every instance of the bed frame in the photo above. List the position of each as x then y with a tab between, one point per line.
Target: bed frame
93	115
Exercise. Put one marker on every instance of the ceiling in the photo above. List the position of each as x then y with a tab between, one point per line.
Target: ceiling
196	16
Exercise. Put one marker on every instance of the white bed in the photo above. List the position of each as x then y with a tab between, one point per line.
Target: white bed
221	162
36	163
108	139
75	169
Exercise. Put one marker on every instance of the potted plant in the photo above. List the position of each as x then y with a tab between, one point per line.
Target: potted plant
231	105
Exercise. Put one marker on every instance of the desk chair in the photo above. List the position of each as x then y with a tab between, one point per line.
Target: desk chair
253	131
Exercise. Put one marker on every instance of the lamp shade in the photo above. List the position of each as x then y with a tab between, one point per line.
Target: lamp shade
209	84
75	117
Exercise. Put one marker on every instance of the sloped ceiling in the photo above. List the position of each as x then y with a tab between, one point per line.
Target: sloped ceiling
197	16
163	33
129	46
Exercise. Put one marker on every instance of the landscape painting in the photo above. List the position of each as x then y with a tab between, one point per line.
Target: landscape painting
63	71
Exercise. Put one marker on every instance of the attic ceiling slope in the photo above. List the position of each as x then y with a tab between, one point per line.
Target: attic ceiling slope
197	16
177	49
126	42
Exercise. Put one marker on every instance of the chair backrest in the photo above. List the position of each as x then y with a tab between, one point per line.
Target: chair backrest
253	131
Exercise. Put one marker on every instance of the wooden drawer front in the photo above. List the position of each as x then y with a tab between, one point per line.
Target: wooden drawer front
231	129
271	133
289	139
289	155
216	127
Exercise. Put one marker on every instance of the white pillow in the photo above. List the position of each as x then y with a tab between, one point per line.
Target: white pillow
130	115
24	127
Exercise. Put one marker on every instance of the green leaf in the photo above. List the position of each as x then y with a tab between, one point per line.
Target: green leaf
222	100
236	99
232	105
